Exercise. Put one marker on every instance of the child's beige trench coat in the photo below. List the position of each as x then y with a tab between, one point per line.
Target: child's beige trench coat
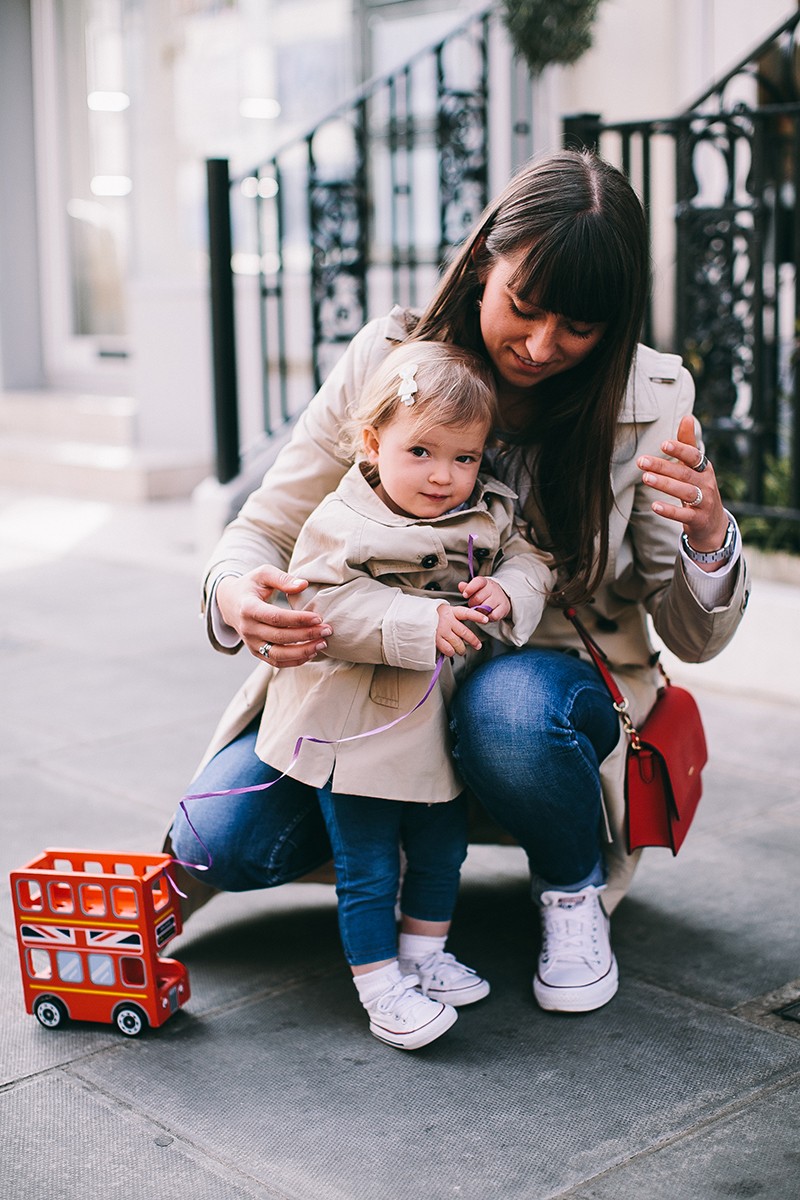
644	576
378	579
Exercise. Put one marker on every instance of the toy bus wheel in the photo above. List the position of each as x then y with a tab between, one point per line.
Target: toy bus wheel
130	1020
50	1012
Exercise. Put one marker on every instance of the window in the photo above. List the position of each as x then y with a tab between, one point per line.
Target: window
69	966
61	897
101	969
93	899
124	902
160	892
29	895
39	964
132	972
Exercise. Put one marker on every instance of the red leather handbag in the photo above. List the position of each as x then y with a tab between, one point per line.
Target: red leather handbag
665	759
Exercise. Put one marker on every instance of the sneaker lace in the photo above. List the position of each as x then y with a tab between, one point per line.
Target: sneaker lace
443	966
400	996
570	933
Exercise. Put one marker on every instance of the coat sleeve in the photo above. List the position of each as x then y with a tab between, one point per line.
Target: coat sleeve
304	472
526	576
372	622
691	632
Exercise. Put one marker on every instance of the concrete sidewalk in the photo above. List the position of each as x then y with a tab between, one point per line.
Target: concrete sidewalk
685	1087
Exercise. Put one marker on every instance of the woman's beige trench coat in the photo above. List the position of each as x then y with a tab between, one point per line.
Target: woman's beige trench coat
378	579
644	573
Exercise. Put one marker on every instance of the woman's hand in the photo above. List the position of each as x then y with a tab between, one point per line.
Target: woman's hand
699	506
452	635
292	637
484	592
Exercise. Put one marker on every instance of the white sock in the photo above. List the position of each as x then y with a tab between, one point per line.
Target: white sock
415	947
374	983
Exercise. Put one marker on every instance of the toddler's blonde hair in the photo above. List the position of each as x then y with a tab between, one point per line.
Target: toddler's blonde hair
454	387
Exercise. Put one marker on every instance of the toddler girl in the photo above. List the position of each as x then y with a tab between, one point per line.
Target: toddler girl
406	560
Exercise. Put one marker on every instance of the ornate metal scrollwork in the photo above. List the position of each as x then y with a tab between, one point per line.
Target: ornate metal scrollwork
463	162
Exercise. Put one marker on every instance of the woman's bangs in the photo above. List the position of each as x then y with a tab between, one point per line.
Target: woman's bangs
576	276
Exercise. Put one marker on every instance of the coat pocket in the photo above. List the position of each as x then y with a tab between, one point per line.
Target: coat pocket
385	687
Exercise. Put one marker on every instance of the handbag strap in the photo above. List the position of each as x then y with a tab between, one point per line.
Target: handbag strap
601	662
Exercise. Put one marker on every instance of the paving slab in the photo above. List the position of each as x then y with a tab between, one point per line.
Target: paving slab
268	1083
62	1141
513	1103
751	1153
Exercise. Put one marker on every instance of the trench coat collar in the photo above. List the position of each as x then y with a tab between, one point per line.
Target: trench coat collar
359	496
642	402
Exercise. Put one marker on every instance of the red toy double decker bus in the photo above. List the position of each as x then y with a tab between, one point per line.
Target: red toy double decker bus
90	927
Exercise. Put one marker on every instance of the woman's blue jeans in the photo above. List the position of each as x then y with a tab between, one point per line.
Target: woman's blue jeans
366	835
531	729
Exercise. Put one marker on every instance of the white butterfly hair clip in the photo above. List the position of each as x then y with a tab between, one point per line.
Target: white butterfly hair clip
408	384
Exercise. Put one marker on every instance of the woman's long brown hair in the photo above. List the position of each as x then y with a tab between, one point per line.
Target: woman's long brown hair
584	237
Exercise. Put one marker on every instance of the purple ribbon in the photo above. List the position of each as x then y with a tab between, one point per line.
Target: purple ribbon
262	787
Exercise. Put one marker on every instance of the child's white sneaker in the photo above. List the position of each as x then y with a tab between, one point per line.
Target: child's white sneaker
443	977
401	1016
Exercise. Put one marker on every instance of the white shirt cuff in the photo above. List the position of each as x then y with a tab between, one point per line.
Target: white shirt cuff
225	634
713	589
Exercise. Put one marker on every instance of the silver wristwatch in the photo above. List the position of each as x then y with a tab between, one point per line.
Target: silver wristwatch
713	556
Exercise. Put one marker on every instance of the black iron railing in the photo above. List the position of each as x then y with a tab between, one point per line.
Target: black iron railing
362	211
358	214
720	184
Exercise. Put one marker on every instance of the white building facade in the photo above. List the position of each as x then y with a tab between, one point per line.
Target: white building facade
109	110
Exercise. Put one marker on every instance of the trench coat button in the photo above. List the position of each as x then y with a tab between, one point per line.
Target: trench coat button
481	553
430	560
432	586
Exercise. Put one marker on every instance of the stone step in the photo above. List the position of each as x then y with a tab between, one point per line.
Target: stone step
91	470
75	417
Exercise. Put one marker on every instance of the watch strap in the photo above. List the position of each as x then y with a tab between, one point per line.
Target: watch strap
712	556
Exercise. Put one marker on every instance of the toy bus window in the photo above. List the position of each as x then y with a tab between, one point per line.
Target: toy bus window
61	898
132	972
39	965
63	866
93	899
123	902
160	892
69	965
29	895
90	867
101	969
123	868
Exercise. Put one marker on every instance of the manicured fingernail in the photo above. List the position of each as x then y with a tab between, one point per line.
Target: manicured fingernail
326	631
648	478
658	508
668	447
322	645
298	583
644	463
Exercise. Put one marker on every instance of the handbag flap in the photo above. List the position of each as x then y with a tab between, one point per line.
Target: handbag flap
674	729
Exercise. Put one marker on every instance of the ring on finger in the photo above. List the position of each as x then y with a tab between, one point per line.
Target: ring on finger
698	500
265	649
701	466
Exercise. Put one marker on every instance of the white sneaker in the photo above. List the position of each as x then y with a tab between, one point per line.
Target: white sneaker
443	977
577	970
402	1016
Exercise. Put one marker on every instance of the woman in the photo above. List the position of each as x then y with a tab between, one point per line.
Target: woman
597	439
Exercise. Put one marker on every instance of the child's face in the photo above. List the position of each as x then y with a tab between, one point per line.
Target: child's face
424	476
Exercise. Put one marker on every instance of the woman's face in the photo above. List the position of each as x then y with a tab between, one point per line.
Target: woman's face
528	344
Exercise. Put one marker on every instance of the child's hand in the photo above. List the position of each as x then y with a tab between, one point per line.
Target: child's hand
486	592
452	635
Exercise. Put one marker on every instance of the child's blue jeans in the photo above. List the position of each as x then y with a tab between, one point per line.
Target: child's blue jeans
366	835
